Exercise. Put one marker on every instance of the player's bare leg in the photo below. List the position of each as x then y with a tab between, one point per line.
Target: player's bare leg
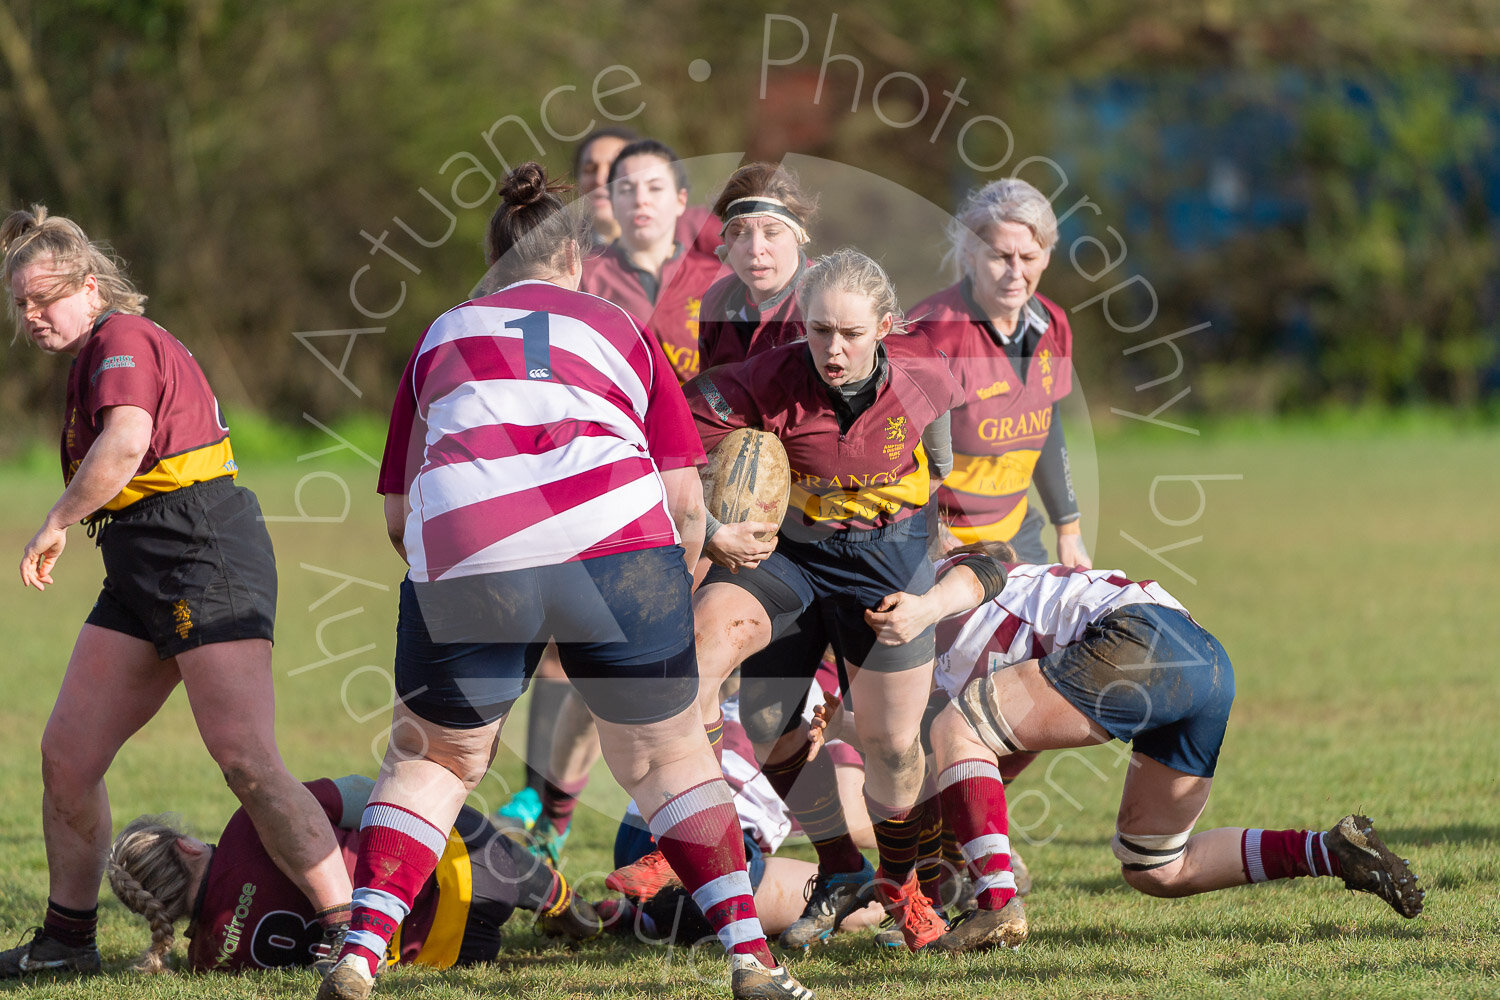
229	688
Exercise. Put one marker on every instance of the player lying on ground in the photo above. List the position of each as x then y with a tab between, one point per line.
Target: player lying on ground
1122	660
243	913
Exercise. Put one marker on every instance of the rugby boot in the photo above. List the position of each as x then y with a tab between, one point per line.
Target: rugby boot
1367	865
981	929
349	980
546	844
521	811
826	895
920	924
328	950
750	980
640	881
46	956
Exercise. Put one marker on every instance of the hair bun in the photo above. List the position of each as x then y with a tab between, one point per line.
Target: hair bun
20	222
525	185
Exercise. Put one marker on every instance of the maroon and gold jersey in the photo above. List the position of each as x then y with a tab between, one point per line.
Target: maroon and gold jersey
731	328
671	314
251	916
870	476
998	433
129	360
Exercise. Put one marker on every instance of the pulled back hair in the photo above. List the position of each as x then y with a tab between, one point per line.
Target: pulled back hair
651	147
767	179
999	551
147	872
37	235
1009	199
848	270
531	231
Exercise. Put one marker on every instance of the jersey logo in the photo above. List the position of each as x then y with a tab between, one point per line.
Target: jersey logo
895	428
114	361
539	373
994	389
1044	362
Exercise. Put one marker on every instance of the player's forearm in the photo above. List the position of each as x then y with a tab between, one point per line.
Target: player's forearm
685	504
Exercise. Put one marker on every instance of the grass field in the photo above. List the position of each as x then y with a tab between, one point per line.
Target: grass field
1350	574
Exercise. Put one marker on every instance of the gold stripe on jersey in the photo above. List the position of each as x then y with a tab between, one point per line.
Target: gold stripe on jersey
455	881
196	466
868	501
993	475
1002	530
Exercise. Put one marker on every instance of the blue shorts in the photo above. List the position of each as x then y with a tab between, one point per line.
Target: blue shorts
466	647
845	573
1151	676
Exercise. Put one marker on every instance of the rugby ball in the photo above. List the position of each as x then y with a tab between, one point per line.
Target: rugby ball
747	478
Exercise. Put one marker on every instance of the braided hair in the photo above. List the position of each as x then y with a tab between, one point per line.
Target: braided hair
148	874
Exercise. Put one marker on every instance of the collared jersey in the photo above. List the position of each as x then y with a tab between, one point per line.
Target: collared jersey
670	310
129	360
731	328
872	475
529	429
1040	609
999	431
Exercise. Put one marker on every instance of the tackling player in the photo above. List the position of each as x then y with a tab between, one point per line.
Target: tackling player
1057	657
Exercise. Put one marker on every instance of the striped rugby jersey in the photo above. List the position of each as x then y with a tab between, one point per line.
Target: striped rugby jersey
529	430
1040	609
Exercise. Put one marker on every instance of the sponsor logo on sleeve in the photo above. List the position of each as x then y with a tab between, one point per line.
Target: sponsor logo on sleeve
113	361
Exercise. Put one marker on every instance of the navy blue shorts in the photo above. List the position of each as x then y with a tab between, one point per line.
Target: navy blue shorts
466	647
845	574
1151	676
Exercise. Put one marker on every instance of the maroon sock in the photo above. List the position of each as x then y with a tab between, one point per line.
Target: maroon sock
810	790
698	832
74	928
559	801
1273	854
974	804
398	851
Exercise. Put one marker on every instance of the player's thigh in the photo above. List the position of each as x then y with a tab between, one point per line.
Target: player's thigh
888	707
113	685
233	700
1159	800
1016	708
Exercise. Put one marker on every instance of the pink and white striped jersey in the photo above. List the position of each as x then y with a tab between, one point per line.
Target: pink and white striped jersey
1040	609
529	430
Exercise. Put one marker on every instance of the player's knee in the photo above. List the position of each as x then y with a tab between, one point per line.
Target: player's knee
897	753
1151	864
764	723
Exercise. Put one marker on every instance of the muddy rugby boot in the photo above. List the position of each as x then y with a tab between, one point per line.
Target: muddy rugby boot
750	980
981	929
1367	865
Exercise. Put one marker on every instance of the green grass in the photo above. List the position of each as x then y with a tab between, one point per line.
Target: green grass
1348	573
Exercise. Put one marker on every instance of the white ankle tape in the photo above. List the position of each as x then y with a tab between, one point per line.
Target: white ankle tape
1140	852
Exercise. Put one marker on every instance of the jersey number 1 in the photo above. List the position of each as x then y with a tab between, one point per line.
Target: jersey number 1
536	343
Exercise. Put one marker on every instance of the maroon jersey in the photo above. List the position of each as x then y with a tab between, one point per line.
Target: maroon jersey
668	309
999	431
251	916
731	328
129	360
870	476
